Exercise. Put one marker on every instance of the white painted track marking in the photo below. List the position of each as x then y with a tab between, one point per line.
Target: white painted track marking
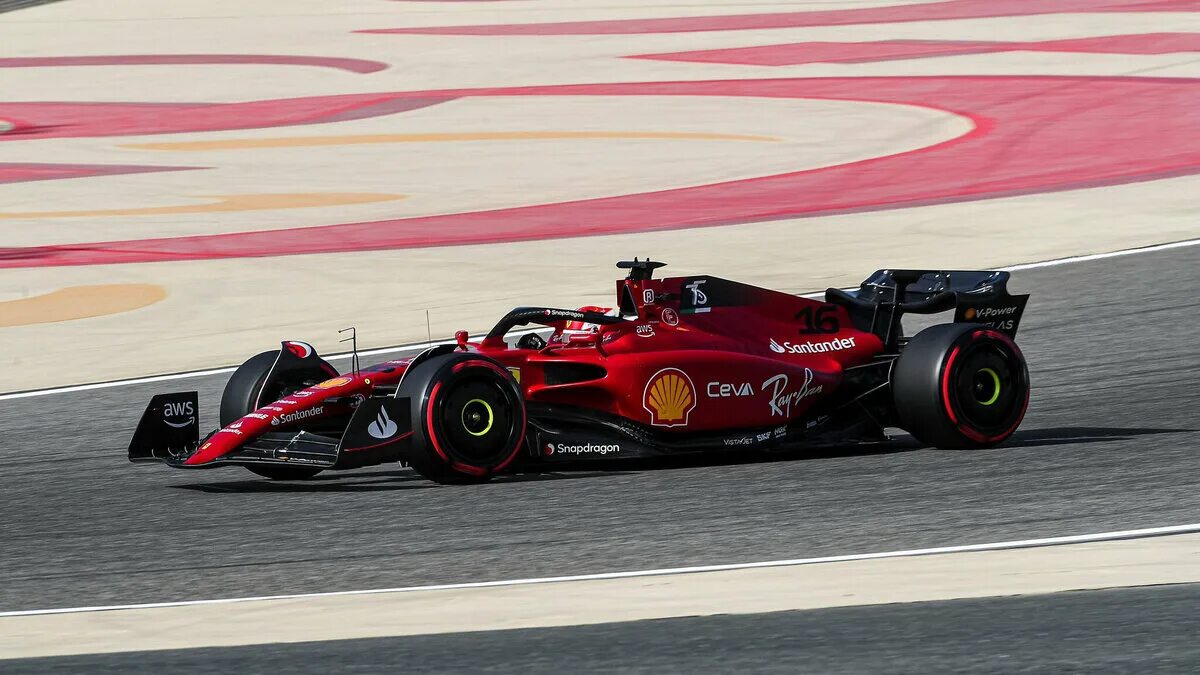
422	345
995	546
416	346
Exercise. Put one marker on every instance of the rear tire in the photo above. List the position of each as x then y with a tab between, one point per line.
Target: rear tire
243	390
960	386
468	418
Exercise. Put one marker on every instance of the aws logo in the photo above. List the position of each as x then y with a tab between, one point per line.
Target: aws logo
177	409
670	397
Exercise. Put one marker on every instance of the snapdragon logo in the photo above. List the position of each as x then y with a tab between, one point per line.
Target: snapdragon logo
834	345
584	449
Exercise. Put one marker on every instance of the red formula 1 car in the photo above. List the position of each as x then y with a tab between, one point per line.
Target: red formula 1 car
684	364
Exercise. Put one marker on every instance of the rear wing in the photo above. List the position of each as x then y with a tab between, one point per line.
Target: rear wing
976	296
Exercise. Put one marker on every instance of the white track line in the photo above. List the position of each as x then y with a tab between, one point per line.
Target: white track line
996	546
229	369
1101	256
423	345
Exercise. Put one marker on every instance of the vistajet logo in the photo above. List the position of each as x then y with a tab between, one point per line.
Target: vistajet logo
834	345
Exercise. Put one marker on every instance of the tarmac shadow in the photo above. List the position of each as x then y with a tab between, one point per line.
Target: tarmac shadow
372	482
1074	435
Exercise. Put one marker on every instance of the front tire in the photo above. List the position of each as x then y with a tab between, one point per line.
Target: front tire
244	388
960	386
468	418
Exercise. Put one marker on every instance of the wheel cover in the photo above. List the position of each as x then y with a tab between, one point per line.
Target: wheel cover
990	381
988	386
476	417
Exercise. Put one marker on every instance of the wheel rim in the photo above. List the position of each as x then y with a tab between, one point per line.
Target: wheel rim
989	386
475	417
987	380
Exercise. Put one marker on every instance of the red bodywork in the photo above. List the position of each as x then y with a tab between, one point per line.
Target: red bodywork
702	355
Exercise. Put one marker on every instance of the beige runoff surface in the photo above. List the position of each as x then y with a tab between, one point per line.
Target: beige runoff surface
218	312
1165	560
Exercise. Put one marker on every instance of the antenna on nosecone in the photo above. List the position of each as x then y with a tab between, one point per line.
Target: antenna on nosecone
353	340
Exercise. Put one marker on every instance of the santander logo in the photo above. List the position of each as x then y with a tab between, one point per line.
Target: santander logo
834	345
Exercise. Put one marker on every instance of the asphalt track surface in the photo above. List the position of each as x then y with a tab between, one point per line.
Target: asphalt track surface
1108	444
1145	630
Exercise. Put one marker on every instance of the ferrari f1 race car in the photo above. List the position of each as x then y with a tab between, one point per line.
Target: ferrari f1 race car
680	365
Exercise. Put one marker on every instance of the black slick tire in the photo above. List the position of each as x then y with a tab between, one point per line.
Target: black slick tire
468	418
960	385
242	392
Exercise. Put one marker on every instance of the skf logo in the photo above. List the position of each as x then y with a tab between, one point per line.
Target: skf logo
669	398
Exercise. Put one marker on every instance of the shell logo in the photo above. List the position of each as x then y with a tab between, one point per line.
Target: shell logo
669	398
335	382
969	314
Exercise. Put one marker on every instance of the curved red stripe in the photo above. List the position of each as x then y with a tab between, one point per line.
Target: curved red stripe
80	120
1033	134
14	172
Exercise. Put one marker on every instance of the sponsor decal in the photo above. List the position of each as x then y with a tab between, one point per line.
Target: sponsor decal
236	425
235	432
780	432
645	330
648	296
699	298
516	373
335	382
1000	313
990	312
782	400
821	319
725	390
179	409
288	418
740	440
302	394
669	398
272	407
206	444
764	436
834	345
302	350
259	416
670	317
566	314
382	427
582	448
287	401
